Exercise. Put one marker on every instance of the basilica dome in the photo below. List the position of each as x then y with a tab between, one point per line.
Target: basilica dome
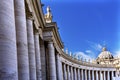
105	54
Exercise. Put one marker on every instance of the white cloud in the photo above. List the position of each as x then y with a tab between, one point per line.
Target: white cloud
84	55
117	53
96	46
89	51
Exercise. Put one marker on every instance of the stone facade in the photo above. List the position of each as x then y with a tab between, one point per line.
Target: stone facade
31	47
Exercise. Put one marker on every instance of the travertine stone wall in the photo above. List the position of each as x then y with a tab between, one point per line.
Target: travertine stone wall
21	37
8	53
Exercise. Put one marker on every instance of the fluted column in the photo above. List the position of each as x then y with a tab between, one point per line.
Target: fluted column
68	72
65	74
31	48
51	59
8	52
37	55
59	68
72	73
104	75
92	74
82	74
96	75
78	72
21	34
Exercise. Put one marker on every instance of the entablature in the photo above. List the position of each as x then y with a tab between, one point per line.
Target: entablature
50	33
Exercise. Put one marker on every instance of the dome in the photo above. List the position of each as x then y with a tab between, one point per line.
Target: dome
105	54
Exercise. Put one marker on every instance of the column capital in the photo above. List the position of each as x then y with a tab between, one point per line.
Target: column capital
36	31
29	15
50	42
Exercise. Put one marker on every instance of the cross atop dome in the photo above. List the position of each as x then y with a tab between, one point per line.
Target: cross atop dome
104	49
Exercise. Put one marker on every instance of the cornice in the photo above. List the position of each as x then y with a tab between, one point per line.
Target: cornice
36	8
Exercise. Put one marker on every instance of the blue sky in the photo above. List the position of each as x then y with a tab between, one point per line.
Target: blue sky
87	25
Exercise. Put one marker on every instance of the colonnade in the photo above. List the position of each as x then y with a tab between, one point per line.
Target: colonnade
75	73
25	55
20	52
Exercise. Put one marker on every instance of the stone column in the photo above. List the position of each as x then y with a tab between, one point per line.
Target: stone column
101	77
21	34
8	52
89	77
51	59
93	75
72	73
78	72
68	72
86	74
104	75
75	74
59	68
116	74
82	74
96	75
37	55
31	48
108	75
112	73
65	75
43	60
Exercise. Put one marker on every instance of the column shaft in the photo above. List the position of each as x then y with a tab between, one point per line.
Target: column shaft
8	52
72	73
86	74
43	60
93	75
51	59
21	34
37	56
89	75
31	49
112	74
96	75
101	77
59	68
104	75
65	75
68	72
108	75
78	72
75	74
82	74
